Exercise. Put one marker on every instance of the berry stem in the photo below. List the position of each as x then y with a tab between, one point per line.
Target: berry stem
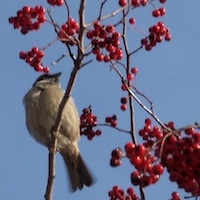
131	104
116	128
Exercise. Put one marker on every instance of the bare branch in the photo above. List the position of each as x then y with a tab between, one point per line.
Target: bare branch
138	100
68	10
131	105
109	15
101	8
71	82
116	128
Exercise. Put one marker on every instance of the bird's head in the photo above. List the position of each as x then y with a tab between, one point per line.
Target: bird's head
47	80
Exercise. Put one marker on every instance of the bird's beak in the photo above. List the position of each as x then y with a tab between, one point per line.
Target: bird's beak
57	75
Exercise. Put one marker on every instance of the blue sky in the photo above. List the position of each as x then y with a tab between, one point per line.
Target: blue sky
168	75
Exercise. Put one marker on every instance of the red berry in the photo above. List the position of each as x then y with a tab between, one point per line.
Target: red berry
34	50
40	54
162	11
143	2
113	123
123	107
110	28
115	162
130	77
148	47
123	87
24	30
144	42
60	2
117	153
157	169
175	196
106	58
136	161
97	25
46	69
129	147
190	131
168	37
148	121
11	20
116	35
98	132
136	3
122	3
108	119
100	57
36	25
90	34
41	18
134	70
132	20
22	55
135	178
124	100
156	13
38	68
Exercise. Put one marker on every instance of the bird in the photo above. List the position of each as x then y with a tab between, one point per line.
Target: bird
41	104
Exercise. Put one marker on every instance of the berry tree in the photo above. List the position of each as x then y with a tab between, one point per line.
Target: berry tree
106	37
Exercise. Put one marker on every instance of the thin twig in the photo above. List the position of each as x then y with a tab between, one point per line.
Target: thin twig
52	164
195	125
123	17
135	51
116	128
108	16
59	59
138	100
131	105
101	8
145	97
68	10
51	175
142	193
86	63
65	40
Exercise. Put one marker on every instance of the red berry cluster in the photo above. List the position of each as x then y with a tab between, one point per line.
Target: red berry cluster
147	171
116	156
148	133
55	2
68	30
123	101
179	153
157	33
34	59
118	194
133	72
28	19
111	120
159	12
181	157
105	37
135	3
175	196
88	122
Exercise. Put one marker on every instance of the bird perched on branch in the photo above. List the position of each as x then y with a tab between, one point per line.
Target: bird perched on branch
41	107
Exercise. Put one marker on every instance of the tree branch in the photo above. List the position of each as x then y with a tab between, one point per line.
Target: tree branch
70	85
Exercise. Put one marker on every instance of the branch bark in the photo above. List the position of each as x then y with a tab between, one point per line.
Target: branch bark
70	85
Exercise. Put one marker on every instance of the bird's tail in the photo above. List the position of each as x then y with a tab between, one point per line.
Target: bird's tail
79	174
